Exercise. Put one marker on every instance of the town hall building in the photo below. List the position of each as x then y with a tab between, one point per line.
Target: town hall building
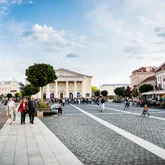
69	84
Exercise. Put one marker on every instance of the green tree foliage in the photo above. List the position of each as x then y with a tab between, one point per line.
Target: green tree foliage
128	92
135	92
104	93
97	93
30	90
145	88
40	75
9	95
18	94
119	91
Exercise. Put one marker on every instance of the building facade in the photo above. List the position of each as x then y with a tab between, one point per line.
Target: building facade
141	74
150	80
69	84
111	87
10	87
160	77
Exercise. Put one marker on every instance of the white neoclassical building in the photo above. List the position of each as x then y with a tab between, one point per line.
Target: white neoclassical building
69	84
10	87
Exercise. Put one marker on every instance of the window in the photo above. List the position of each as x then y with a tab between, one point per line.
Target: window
52	86
61	85
70	86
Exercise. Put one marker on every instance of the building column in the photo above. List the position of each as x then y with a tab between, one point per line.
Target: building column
56	89
47	92
75	89
83	89
67	93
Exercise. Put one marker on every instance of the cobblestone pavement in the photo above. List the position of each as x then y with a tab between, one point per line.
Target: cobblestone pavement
95	144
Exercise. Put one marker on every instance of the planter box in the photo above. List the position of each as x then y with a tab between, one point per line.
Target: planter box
45	112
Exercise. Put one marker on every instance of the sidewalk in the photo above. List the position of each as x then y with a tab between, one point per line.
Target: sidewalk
32	145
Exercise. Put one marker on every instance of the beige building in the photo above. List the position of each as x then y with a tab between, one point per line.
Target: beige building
141	74
111	87
69	84
10	87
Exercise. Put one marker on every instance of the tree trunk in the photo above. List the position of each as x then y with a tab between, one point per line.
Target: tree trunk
41	94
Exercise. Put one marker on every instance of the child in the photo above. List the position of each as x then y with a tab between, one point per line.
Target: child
145	110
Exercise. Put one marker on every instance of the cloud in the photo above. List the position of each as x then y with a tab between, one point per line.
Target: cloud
6	6
160	31
51	39
72	55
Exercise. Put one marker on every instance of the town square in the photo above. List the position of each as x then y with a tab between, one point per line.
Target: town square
82	82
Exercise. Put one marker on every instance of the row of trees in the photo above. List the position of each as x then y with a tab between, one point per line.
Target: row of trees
127	92
97	92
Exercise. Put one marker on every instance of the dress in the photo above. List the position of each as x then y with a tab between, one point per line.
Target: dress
10	108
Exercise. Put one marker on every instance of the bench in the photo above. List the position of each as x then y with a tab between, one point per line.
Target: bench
46	112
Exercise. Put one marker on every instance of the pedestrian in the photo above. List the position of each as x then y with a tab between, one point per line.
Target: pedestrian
102	103
145	111
63	102
32	110
23	109
10	109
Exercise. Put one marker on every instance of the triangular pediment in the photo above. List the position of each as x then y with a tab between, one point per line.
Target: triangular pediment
161	67
68	73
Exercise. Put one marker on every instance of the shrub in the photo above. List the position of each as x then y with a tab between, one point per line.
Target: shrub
43	106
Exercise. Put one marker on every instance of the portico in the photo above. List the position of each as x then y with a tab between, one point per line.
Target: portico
69	84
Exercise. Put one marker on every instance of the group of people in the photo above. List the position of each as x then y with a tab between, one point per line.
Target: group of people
24	108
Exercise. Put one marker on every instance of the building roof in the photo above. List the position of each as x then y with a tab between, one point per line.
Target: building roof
73	72
161	67
149	79
145	69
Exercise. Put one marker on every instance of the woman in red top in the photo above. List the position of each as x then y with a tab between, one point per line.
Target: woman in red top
23	108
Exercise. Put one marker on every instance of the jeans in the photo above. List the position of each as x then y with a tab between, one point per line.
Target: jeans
23	115
31	116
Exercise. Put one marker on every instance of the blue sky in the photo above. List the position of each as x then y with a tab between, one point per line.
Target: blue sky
106	39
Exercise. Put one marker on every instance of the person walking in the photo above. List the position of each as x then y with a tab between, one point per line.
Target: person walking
32	110
102	103
10	109
23	109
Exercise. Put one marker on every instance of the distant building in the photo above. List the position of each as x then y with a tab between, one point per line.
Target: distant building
111	87
10	87
138	76
69	84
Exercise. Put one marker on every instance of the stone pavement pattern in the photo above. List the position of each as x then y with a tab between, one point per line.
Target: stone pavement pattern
95	144
32	145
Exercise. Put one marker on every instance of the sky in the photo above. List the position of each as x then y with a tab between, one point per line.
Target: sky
106	39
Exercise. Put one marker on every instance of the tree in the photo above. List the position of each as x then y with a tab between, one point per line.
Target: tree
127	92
97	93
30	90
40	75
9	95
119	91
104	93
18	94
145	88
135	92
94	88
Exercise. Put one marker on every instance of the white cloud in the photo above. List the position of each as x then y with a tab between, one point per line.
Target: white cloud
3	1
52	40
